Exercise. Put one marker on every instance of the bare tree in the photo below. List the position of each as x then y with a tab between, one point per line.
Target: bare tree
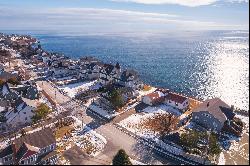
162	123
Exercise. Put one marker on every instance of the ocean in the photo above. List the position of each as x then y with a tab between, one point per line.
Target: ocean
201	64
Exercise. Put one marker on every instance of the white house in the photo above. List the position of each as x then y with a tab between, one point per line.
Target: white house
177	101
109	73
22	112
93	70
153	98
88	60
60	72
46	58
129	78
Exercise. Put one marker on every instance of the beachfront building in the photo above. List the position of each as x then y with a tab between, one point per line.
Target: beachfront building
110	73
130	78
46	57
64	68
212	114
177	101
37	148
85	61
153	98
93	70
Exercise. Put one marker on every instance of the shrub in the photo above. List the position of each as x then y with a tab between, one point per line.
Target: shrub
41	112
1	82
147	87
214	147
190	139
115	98
121	158
13	81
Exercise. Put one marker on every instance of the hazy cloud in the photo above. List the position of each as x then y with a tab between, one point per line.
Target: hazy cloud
190	3
92	20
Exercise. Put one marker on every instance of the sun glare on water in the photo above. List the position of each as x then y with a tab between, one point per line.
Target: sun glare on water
228	72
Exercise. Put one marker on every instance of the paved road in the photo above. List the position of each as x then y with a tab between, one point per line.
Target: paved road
116	139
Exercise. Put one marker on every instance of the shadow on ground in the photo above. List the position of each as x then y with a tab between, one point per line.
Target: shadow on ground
150	156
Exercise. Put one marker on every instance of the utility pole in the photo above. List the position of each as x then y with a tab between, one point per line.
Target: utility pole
55	93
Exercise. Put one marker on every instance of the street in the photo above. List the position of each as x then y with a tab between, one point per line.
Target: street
116	139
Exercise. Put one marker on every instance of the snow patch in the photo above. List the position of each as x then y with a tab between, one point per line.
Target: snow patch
134	124
162	108
73	89
221	159
2	109
135	162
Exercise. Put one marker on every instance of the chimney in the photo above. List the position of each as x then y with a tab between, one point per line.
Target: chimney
207	104
232	107
13	145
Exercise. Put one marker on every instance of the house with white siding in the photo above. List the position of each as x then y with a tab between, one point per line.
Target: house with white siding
130	78
37	148
110	73
153	98
177	101
213	114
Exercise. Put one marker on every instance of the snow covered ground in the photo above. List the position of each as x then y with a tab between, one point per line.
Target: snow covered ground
162	108
73	89
221	159
4	144
106	114
2	109
101	111
44	100
244	119
135	162
134	124
85	138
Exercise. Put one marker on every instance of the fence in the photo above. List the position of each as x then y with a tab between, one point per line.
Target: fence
158	147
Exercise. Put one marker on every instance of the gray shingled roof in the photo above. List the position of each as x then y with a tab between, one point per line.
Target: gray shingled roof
213	106
6	151
40	139
128	73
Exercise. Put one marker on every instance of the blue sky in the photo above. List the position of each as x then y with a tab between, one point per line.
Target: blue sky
123	16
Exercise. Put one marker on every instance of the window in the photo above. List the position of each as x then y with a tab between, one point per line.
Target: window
207	115
22	162
24	112
6	159
26	118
